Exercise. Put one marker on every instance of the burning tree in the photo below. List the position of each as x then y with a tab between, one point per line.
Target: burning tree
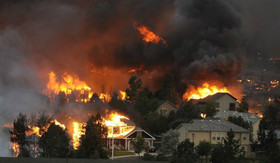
55	142
93	142
18	136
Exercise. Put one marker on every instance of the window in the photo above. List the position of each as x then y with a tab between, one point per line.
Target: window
214	138
244	137
231	106
223	138
218	138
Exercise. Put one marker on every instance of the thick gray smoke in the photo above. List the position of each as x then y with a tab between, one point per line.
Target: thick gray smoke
97	41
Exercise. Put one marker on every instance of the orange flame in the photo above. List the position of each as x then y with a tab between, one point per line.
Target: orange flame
105	97
202	115
123	95
202	92
149	36
78	131
116	127
69	85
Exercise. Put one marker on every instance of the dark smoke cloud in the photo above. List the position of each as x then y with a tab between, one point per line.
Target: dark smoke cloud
97	40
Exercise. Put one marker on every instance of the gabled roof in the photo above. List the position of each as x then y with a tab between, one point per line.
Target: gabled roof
138	129
215	97
211	125
164	101
248	117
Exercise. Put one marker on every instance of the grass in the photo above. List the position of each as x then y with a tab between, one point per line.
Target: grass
122	153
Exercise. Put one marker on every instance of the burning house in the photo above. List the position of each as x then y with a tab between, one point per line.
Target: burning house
63	56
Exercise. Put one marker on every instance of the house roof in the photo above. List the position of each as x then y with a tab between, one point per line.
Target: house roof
215	97
164	101
138	129
211	125
132	132
248	117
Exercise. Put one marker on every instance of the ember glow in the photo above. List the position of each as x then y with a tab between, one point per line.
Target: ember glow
149	36
202	92
203	115
123	95
116	125
68	84
78	131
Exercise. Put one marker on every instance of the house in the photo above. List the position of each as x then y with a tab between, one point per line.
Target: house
251	118
123	142
224	101
213	131
165	107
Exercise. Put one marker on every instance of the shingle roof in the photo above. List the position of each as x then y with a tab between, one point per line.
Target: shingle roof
212	125
215	97
246	116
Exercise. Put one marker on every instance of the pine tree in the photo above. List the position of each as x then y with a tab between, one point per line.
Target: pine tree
135	85
204	149
55	142
18	135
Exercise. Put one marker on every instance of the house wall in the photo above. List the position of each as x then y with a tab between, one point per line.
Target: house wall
183	133
165	108
224	102
255	130
196	137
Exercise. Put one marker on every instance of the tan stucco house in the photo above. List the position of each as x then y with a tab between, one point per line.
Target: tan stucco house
165	107
252	118
213	131
224	101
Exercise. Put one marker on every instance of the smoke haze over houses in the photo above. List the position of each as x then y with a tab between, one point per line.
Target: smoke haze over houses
207	40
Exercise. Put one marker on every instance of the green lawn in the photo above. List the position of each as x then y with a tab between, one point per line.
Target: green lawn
121	153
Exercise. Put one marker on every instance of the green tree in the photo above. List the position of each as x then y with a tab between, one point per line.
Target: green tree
204	149
217	154
169	142
55	142
135	86
229	151
42	122
93	142
231	146
150	122
244	106
169	90
271	145
18	135
188	111
117	104
138	144
209	108
184	153
261	133
146	103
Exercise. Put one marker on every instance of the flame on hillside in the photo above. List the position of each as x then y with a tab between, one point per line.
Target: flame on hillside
149	36
69	85
202	92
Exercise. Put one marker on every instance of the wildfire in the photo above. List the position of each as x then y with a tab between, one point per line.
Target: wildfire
34	130
202	92
123	95
149	36
69	85
203	116
116	127
105	97
78	131
134	70
59	124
